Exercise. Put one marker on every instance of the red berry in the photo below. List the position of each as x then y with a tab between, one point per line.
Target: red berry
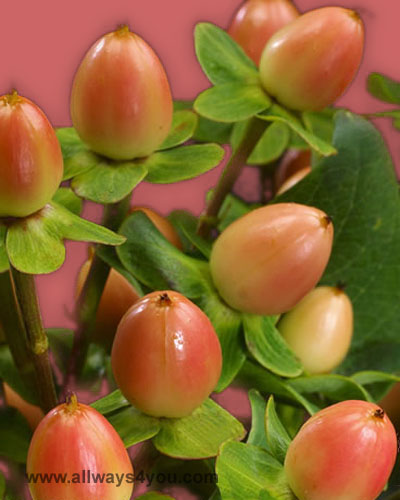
257	20
73	438
31	164
121	103
309	63
166	356
269	259
319	328
344	452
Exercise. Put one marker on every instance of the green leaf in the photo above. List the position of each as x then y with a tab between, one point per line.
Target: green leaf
358	189
15	435
232	208
200	434
182	163
186	224
154	261
257	434
232	102
133	426
10	374
228	325
384	88
268	346
184	124
111	402
206	130
77	156
278	114
335	387
272	144
378	384
320	123
4	265
210	131
394	114
246	471
110	257
35	244
109	181
67	198
254	376
221	58
277	437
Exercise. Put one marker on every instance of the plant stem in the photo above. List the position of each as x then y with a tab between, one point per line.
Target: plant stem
91	293
232	170
25	292
14	331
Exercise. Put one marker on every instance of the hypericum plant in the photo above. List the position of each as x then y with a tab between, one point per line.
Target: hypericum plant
257	20
305	75
269	259
319	328
30	157
89	444
121	103
166	357
345	451
213	286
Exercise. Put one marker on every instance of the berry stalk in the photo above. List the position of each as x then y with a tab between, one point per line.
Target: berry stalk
230	174
89	298
26	295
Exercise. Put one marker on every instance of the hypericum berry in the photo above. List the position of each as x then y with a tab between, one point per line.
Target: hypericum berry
162	224
32	414
269	259
257	20
391	405
309	63
346	451
292	161
166	357
121	103
118	296
319	328
74	439
293	180
31	164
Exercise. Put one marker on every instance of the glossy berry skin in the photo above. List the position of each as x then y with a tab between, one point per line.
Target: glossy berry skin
166	357
71	438
162	224
257	20
309	63
344	452
319	329
268	260
118	296
293	180
31	164
121	103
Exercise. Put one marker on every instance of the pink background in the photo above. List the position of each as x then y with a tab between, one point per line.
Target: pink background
42	42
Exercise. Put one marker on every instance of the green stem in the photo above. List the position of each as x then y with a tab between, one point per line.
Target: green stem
91	293
14	331
25	292
232	170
